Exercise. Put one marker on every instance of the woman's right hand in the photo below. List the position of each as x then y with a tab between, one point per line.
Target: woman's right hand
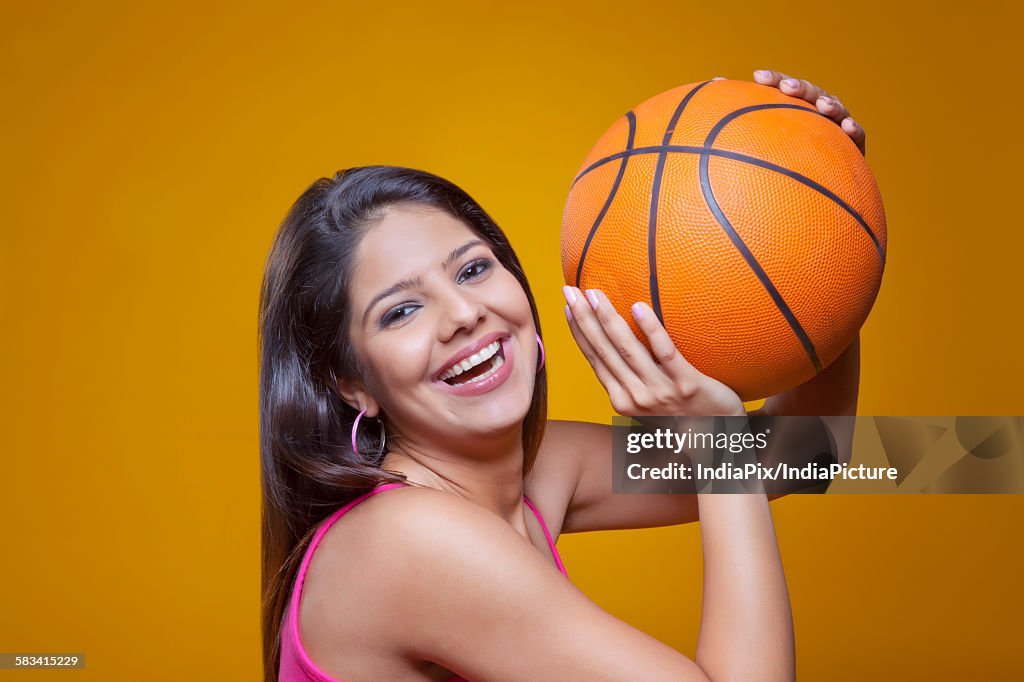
826	104
659	382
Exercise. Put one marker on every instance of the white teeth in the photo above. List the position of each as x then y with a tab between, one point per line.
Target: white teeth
498	362
472	361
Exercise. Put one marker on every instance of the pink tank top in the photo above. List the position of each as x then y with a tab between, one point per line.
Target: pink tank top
296	666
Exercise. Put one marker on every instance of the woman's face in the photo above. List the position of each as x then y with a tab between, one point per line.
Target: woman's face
427	295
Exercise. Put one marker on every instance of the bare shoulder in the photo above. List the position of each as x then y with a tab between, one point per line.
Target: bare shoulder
374	567
433	527
386	535
388	528
411	520
431	572
408	553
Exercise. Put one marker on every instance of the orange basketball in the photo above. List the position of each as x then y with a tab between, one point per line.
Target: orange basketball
750	222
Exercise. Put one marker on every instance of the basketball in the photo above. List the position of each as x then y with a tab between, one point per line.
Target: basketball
749	222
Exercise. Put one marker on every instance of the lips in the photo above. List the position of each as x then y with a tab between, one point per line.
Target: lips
491	381
469	351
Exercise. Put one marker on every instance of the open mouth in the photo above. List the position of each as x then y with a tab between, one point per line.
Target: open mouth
476	367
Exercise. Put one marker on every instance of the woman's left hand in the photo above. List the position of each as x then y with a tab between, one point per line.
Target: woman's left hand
827	104
637	383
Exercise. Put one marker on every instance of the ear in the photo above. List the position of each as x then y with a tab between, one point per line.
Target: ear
356	395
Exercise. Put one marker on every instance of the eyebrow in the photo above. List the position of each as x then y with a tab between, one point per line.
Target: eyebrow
418	281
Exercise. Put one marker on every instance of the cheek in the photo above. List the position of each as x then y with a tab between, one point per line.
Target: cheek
514	302
400	358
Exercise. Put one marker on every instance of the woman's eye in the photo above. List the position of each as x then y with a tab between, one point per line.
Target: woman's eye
397	314
474	269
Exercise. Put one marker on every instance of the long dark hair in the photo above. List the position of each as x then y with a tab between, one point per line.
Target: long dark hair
308	467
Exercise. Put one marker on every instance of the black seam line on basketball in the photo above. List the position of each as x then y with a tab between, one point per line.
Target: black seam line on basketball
729	118
726	120
741	246
652	221
754	161
713	134
631	117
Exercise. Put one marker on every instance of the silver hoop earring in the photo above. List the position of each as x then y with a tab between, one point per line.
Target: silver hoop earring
383	436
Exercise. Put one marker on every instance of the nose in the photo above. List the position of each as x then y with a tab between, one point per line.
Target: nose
461	311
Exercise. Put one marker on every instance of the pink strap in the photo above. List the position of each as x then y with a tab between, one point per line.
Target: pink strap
292	619
547	535
301	578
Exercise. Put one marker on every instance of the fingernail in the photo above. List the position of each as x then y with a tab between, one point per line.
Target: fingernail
791	83
592	297
570	296
638	311
764	74
852	122
568	314
827	101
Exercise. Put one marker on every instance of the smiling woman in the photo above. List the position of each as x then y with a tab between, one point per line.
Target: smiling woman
374	294
389	293
419	544
453	301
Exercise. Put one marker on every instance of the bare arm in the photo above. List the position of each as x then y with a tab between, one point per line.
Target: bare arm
471	594
575	464
746	627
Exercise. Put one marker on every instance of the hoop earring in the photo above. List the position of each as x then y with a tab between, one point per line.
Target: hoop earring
541	344
383	435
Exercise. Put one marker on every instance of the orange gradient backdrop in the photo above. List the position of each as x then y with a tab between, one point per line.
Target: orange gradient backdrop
151	149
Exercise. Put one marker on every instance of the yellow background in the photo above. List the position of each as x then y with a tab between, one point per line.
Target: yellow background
150	150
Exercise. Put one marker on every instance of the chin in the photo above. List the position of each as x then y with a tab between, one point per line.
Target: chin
500	416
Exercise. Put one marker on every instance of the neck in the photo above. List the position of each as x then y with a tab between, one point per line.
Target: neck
487	472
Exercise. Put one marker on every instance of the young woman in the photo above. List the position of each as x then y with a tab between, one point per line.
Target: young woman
413	489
